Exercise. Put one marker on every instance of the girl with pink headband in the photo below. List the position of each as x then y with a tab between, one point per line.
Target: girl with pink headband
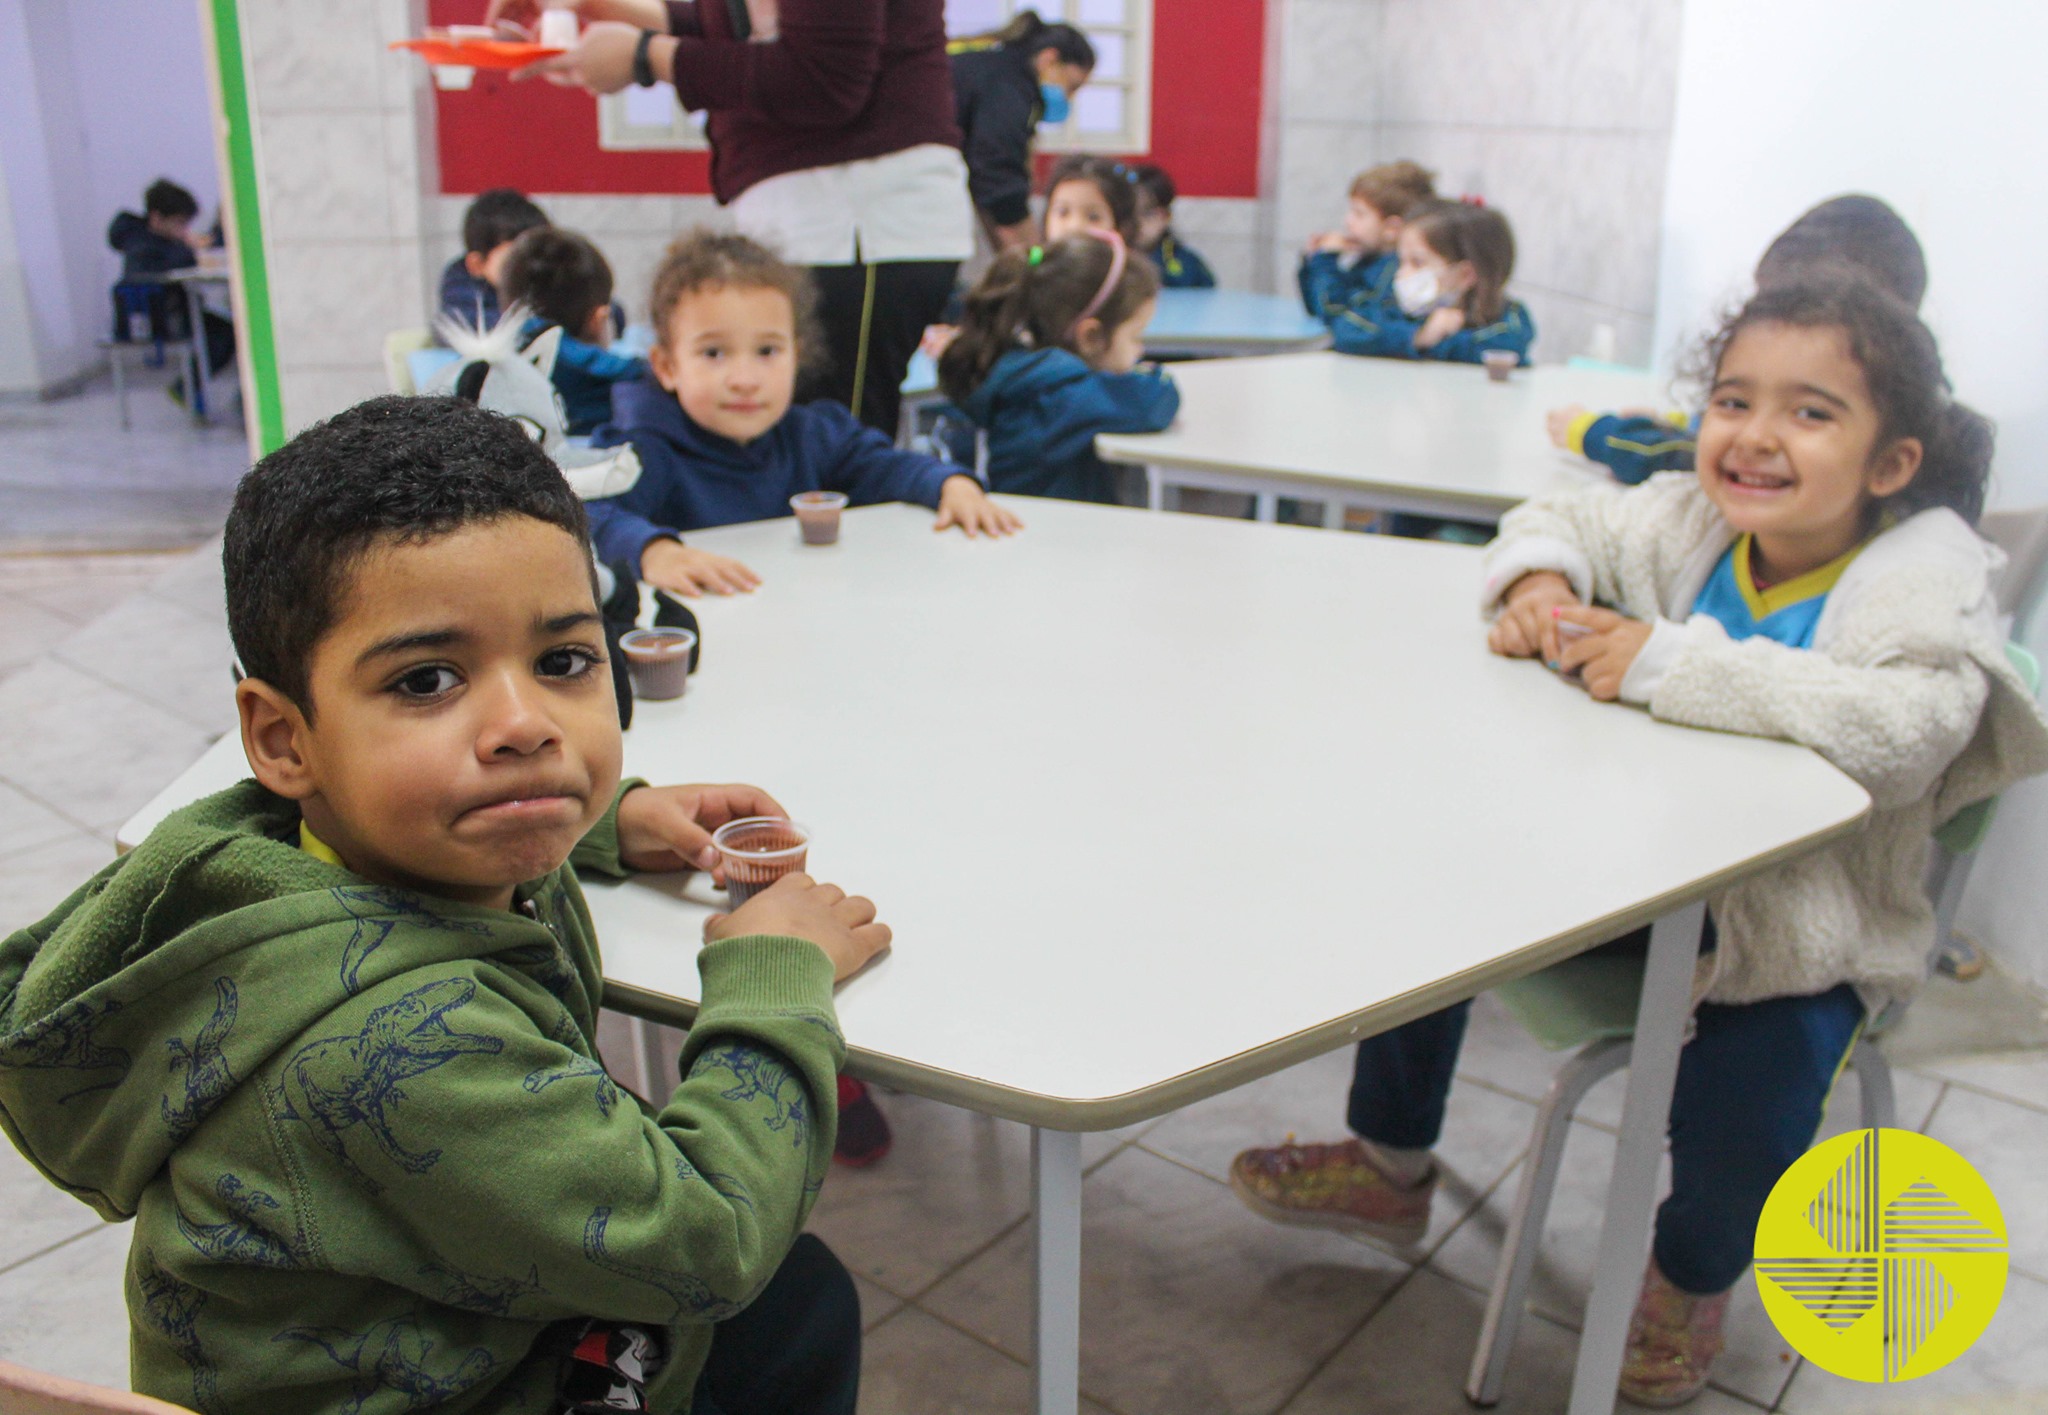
1048	356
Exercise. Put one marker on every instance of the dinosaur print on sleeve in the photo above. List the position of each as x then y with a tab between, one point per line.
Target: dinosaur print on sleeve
171	1309
243	1239
377	912
693	1299
65	1041
762	1075
393	1355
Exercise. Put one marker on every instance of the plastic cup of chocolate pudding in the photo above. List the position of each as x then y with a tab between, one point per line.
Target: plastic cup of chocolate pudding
817	513
659	661
757	851
1500	363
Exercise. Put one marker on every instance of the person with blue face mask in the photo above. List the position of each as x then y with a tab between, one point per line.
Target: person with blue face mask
1004	85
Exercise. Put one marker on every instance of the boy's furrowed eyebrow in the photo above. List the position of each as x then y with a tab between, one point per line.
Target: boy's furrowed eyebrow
408	643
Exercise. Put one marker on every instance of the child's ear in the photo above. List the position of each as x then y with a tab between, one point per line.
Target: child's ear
273	738
664	366
1462	275
473	262
1893	469
1390	229
1090	337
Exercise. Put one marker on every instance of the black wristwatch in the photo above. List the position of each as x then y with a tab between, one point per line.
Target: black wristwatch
643	62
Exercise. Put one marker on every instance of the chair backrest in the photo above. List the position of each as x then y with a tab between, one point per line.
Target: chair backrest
2022	534
26	1392
399	346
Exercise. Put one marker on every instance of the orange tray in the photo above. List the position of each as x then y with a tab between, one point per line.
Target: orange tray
478	53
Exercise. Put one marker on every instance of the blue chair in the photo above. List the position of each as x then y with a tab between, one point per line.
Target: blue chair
136	303
1589	1003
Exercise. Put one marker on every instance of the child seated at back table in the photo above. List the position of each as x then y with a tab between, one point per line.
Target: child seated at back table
719	437
1086	193
1355	264
1858	231
563	281
469	283
1448	299
1047	357
1180	265
155	244
328	1036
1817	579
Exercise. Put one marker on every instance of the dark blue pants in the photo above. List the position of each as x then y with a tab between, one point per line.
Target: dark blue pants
795	1350
1752	1083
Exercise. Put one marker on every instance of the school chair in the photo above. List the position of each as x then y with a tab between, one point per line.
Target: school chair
137	334
399	347
1589	1003
26	1392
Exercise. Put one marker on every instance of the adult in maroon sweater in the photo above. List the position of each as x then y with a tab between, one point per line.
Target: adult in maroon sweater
833	138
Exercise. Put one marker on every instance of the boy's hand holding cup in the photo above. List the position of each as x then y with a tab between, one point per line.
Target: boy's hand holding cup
797	906
1526	628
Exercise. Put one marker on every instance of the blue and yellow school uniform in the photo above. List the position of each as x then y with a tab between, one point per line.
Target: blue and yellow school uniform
1787	612
1180	265
1634	448
1329	286
1381	329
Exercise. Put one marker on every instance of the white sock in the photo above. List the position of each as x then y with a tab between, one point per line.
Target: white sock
1406	1168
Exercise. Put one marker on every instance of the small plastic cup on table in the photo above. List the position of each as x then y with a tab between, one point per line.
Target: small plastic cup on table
817	512
757	851
1500	363
659	661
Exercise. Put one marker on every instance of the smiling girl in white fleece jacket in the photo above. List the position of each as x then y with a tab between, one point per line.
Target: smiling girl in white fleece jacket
1816	579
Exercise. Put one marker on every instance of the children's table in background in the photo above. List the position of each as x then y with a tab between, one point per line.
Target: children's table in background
1435	439
1281	799
194	282
1211	324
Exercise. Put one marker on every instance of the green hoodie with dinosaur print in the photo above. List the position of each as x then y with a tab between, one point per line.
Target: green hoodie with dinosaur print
373	1160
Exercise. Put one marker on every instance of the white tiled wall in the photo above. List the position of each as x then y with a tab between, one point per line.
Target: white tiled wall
1557	112
344	134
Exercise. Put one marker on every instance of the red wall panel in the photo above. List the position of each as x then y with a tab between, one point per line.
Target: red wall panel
1205	116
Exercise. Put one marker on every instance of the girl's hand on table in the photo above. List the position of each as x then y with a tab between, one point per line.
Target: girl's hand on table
1525	628
663	828
963	503
685	570
1601	659
1558	423
1440	325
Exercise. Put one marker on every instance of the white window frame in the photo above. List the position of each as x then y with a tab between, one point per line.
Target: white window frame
617	132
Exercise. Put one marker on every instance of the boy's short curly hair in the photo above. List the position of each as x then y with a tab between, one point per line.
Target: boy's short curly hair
392	470
1395	189
704	259
166	198
558	275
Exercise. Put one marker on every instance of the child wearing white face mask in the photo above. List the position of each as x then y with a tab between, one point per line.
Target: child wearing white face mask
1448	300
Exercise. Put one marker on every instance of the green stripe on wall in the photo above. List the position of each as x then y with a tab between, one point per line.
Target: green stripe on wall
259	347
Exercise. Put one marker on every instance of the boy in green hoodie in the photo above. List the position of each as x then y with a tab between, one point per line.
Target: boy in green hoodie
328	1036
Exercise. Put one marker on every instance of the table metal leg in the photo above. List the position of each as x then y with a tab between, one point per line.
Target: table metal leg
1056	1263
1155	489
195	309
648	1037
1632	1190
1268	507
1333	515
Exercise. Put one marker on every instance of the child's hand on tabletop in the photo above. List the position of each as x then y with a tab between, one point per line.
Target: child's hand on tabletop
663	828
1440	325
1332	242
936	337
1558	422
1600	659
1526	627
963	503
685	570
796	906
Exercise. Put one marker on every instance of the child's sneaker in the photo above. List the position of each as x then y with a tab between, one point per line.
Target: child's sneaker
1332	1186
863	1129
1672	1342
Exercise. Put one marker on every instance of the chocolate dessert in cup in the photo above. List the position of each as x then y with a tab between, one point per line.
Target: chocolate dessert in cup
817	512
659	661
757	851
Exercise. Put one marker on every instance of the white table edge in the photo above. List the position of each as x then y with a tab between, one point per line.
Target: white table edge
1067	1113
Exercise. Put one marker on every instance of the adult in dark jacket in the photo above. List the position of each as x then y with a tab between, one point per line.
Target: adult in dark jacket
153	244
832	138
1004	85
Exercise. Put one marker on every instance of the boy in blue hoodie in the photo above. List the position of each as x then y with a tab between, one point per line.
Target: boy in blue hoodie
719	437
469	283
1353	267
560	278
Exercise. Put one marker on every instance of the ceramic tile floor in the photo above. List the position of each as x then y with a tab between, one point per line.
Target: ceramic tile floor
113	677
